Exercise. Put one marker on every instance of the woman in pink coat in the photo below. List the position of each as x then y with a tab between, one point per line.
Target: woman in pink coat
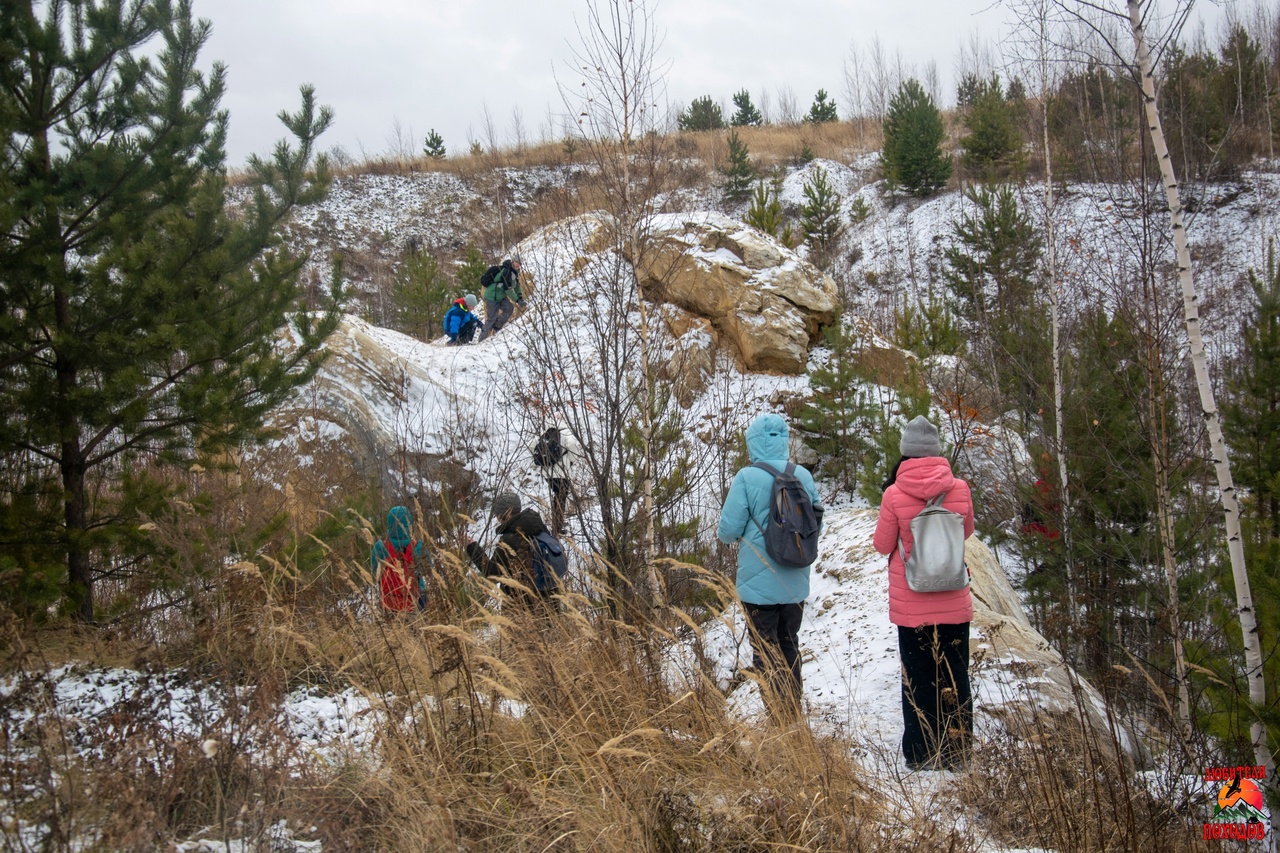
933	627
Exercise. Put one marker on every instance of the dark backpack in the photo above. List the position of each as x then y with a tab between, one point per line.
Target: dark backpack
791	539
550	562
490	275
548	451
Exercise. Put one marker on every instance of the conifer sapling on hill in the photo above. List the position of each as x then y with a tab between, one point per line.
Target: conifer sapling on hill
912	158
746	114
703	114
737	170
820	217
141	321
765	211
837	420
993	140
822	110
433	146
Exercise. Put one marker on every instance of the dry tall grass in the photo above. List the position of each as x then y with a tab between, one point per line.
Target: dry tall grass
497	729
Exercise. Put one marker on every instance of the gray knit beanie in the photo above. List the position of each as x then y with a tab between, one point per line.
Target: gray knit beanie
505	502
920	438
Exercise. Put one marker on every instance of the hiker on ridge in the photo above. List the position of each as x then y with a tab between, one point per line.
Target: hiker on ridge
933	627
772	594
459	323
501	295
397	565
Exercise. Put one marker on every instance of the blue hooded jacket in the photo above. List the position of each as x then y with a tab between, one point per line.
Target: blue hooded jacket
399	529
760	580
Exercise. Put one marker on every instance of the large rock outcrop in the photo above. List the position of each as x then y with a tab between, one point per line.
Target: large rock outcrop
384	408
758	295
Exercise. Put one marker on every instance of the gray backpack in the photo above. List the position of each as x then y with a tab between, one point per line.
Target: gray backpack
937	557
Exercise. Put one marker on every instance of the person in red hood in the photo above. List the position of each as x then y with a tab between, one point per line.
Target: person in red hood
933	627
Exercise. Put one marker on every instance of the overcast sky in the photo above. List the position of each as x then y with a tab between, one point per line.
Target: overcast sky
423	64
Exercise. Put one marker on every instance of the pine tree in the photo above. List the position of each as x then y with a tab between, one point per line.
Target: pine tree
993	141
1252	414
433	147
747	115
703	114
737	171
912	158
1251	420
967	89
420	296
838	417
820	217
140	320
822	110
467	272
991	266
927	328
765	212
991	270
910	399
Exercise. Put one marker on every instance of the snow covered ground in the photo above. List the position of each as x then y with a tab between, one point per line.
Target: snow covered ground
418	393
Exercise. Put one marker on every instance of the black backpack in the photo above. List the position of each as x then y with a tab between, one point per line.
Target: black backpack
791	539
550	561
490	274
548	451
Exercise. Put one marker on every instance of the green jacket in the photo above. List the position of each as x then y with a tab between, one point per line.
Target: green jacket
505	285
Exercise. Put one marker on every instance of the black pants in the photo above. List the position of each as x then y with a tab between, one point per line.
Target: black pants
775	648
937	704
561	491
467	332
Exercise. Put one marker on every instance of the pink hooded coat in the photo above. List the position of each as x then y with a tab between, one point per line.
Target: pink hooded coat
920	480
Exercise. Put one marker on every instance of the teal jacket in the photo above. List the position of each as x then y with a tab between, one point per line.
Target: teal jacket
760	580
399	531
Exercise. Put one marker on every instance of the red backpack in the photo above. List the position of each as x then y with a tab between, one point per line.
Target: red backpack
396	579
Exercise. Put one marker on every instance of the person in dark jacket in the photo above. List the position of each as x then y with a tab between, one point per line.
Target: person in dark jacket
501	296
772	595
559	474
459	323
513	556
398	565
933	627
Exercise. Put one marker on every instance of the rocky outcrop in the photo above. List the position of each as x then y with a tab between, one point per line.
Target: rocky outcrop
372	414
767	302
1031	677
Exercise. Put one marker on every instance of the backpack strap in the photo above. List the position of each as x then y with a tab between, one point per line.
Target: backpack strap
405	557
932	502
775	473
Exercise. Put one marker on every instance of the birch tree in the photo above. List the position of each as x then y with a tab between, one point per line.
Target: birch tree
1137	15
1037	17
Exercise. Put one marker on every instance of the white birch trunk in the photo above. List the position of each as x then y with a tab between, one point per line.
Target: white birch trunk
1055	314
1218	444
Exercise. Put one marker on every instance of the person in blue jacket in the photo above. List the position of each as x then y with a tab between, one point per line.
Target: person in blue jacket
459	323
772	595
398	566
